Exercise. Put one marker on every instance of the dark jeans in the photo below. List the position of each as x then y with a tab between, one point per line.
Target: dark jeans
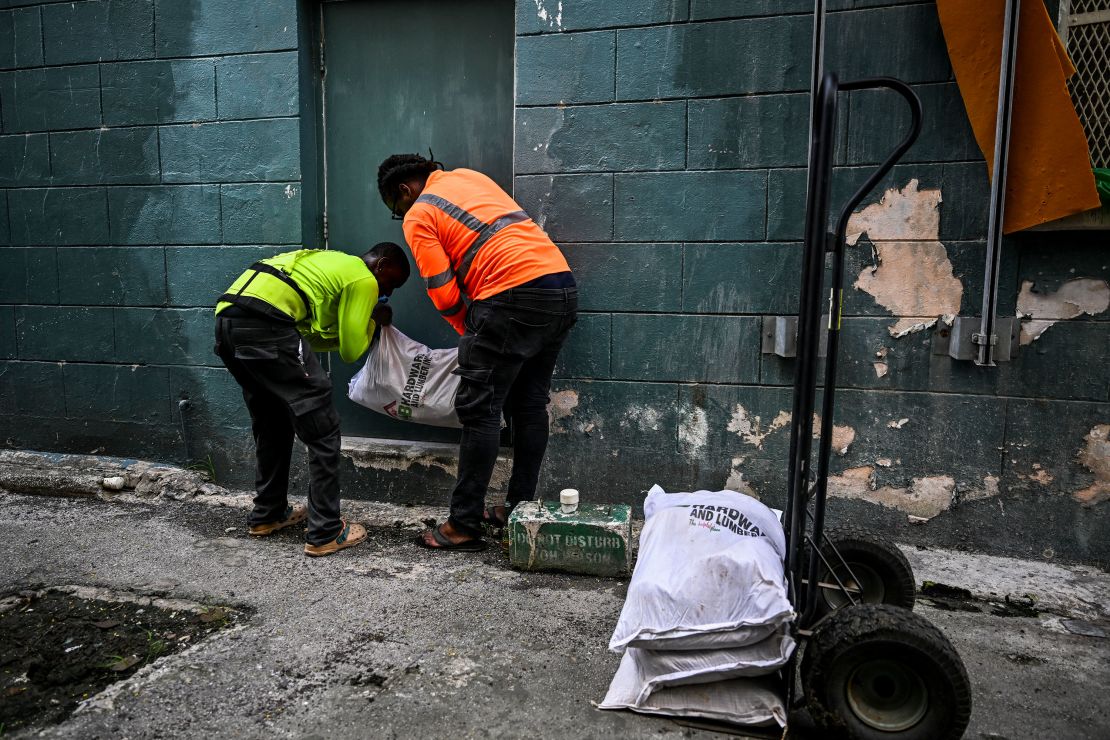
287	392
506	359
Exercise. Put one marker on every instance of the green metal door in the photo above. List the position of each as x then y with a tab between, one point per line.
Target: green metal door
406	76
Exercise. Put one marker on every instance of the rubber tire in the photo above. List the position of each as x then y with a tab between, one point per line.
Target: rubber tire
858	545
857	634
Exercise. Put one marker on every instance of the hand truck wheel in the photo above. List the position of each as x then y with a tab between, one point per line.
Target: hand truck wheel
879	672
863	561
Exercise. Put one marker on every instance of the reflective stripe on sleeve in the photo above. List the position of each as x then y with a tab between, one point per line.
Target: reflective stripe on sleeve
485	235
438	281
485	232
453	211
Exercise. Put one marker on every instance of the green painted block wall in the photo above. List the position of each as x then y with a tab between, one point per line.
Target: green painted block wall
150	149
149	152
702	135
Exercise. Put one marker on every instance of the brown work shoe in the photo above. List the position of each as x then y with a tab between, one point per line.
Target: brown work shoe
349	536
293	514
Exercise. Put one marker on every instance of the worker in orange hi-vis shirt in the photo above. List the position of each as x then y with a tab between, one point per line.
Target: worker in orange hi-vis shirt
494	274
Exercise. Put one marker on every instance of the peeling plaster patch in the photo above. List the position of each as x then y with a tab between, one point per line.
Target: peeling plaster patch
1074	298
1040	475
989	489
852	479
883	462
898	424
750	428
553	19
842	437
925	498
693	431
563	404
881	367
736	482
1096	458
912	276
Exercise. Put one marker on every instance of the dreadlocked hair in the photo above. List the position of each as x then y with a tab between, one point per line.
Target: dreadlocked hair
399	168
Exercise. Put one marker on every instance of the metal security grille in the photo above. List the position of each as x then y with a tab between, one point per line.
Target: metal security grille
1085	30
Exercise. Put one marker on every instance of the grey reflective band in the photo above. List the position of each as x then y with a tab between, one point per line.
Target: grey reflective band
484	236
438	281
459	305
453	211
485	233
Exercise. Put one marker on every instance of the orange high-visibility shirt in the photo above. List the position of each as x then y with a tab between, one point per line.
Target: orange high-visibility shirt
471	241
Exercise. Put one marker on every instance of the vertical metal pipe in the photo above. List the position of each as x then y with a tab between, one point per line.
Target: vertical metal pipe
987	336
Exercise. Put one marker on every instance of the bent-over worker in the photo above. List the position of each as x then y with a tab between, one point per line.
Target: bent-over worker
498	279
268	324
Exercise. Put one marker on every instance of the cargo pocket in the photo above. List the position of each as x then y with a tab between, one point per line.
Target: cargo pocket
474	400
316	423
256	353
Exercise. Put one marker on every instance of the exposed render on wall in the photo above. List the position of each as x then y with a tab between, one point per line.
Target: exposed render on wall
912	275
562	405
880	363
552	17
736	480
1074	298
1095	456
923	499
749	427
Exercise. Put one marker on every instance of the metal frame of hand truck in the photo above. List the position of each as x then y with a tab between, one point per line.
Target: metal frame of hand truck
804	516
807	546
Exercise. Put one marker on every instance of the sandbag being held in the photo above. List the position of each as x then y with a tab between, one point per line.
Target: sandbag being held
406	380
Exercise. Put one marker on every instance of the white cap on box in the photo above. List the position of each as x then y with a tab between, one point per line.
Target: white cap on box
568	498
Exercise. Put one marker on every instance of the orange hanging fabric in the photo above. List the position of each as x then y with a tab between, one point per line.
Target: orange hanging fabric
1049	164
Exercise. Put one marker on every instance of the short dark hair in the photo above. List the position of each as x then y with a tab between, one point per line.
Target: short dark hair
399	168
391	252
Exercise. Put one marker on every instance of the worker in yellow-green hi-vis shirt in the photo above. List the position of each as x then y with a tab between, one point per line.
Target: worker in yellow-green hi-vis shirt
268	324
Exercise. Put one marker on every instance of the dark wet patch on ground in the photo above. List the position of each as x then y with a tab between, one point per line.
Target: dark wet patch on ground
955	599
57	649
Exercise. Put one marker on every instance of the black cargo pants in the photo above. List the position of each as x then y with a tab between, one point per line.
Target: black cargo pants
287	393
506	359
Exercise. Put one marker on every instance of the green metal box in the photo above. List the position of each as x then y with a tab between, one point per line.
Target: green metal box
596	539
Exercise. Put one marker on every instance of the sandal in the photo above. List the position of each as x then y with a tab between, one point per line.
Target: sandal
349	536
442	543
293	515
491	523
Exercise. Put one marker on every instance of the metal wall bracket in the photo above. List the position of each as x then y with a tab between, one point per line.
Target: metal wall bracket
780	336
962	340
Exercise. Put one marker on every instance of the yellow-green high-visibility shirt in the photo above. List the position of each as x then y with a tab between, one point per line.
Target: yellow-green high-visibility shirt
339	288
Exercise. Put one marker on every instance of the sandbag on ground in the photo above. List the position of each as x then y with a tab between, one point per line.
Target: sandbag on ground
654	670
745	701
709	574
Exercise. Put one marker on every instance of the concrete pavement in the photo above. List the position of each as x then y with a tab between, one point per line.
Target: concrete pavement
391	641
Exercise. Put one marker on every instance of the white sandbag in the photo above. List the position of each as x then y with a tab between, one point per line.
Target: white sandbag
709	574
406	380
745	701
656	669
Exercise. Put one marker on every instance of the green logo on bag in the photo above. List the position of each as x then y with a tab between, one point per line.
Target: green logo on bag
404	412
